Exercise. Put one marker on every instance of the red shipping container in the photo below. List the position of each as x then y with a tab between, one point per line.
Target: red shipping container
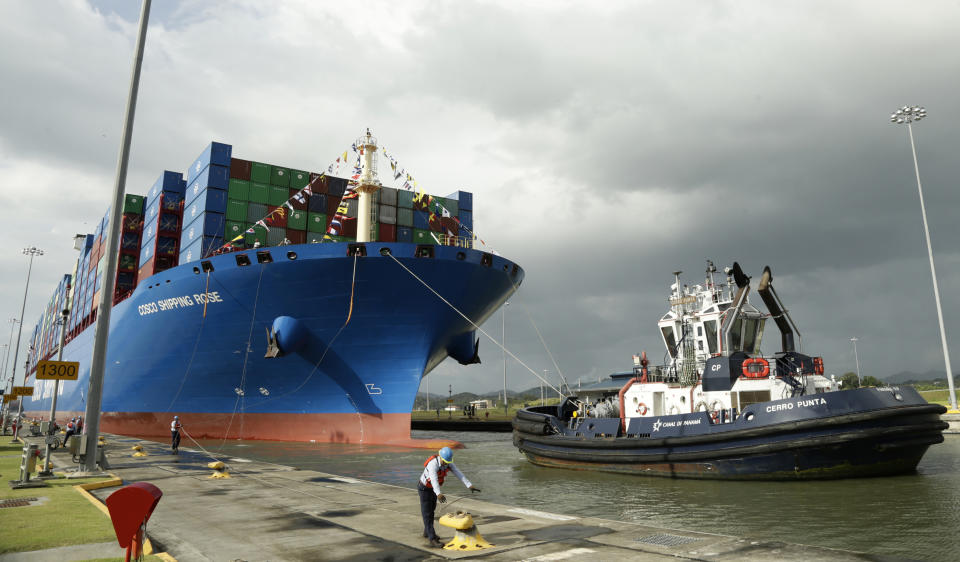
449	225
164	263
388	233
297	236
318	183
146	270
332	204
296	204
348	228
278	218
240	169
132	222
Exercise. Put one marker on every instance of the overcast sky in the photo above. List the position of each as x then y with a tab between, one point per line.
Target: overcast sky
607	144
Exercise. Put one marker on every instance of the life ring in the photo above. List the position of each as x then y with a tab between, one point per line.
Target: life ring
642	409
764	371
818	365
715	416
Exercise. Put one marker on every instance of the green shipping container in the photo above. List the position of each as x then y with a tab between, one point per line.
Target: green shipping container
259	235
423	237
316	222
314	237
236	210
405	199
232	230
278	195
239	190
260	173
259	192
451	205
404	217
298	220
299	179
280	176
133	204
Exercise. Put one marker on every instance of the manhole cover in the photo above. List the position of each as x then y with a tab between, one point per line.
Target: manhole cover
665	539
17	502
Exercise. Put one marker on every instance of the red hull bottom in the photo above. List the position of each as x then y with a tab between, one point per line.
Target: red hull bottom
356	429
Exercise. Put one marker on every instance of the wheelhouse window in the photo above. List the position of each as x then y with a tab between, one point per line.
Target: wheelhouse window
669	338
736	335
749	334
710	327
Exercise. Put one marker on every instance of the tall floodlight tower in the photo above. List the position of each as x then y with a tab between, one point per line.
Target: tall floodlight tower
368	185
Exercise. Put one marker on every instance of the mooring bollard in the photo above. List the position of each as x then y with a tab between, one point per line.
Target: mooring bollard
28	464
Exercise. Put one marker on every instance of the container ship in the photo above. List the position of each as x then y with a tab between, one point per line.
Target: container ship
721	409
258	301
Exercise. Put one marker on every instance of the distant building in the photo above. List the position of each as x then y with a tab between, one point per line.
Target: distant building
482	404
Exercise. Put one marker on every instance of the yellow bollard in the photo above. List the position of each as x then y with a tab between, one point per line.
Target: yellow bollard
139	451
467	536
219	470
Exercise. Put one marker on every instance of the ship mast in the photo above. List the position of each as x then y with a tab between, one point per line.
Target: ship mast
368	184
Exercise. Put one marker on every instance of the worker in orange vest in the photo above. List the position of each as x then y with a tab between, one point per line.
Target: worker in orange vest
435	469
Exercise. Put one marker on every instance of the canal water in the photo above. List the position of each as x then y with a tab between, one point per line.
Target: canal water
915	516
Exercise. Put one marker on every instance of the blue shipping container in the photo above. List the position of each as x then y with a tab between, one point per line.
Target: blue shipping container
215	153
207	224
209	201
465	200
318	203
146	252
168	181
404	234
200	248
421	220
213	176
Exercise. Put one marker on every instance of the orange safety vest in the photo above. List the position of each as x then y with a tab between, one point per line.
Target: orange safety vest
441	472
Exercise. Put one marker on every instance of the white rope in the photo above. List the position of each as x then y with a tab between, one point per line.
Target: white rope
542	341
474	324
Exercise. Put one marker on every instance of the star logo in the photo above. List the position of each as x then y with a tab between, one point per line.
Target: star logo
656	425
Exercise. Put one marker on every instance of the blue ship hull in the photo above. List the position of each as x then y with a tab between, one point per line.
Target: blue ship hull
172	353
852	433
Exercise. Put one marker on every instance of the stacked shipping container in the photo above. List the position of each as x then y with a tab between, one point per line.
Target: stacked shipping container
184	219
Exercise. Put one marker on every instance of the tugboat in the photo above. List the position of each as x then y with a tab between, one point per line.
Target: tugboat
720	409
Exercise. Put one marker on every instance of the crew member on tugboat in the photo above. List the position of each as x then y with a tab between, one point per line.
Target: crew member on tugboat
434	471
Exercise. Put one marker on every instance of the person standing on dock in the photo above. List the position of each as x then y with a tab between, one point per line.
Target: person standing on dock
175	427
434	471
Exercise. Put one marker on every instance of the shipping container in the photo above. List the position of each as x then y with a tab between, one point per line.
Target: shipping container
212	177
404	216
240	169
133	204
316	222
216	153
387	214
464	200
421	220
260	173
388	196
299	179
425	237
255	212
296	203
314	237
127	262
404	234
276	236
296	236
297	220
200	248
348	228
387	232
317	203
170	182
259	235
466	221
405	199
336	186
280	176
278	195
259	192
276	216
167	246
209	201
208	224
132	222
236	210
130	241
239	190
233	229
319	183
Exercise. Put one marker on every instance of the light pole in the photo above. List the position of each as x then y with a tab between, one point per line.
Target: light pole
31	251
857	359
909	114
6	359
503	338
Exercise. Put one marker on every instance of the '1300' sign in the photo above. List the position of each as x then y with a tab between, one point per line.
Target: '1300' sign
58	370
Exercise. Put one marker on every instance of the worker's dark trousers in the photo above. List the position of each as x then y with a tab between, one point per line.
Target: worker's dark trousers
428	505
174	439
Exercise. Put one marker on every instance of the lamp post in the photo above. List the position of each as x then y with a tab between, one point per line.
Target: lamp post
907	115
503	338
31	251
857	359
6	358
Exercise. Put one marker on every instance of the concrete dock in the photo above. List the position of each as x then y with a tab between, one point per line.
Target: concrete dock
273	512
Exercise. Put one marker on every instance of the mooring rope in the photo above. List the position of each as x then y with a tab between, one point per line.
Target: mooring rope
474	324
